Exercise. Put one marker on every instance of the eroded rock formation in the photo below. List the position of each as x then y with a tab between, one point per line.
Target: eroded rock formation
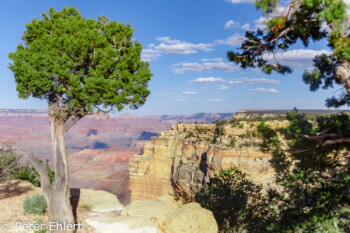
183	158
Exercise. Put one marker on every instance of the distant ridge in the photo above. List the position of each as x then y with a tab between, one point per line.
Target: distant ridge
251	113
171	119
23	113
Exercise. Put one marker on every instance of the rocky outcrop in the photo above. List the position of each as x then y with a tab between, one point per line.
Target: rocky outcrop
162	214
99	201
183	158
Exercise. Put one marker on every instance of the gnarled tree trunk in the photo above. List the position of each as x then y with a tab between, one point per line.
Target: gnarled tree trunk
343	74
57	195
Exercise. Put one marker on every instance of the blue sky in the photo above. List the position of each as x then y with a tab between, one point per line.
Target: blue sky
185	42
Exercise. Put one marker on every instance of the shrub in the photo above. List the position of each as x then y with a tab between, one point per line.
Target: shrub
237	203
36	204
9	161
86	206
10	167
220	123
234	123
233	142
314	179
30	174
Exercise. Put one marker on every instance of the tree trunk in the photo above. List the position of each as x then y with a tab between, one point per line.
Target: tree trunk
58	198
57	195
343	74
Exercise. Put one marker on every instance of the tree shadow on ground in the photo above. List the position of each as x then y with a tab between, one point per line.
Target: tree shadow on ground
11	188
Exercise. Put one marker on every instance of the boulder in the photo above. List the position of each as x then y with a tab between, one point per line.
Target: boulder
100	201
190	218
162	214
122	224
151	209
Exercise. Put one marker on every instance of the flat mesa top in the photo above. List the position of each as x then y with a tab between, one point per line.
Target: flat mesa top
284	111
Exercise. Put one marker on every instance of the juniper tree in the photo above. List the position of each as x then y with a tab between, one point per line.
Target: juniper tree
302	21
79	66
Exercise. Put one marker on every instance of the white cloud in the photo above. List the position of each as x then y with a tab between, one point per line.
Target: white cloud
234	40
180	98
260	23
296	58
190	92
207	80
218	64
240	1
216	100
263	90
150	54
174	47
223	87
246	27
254	81
211	59
231	24
177	47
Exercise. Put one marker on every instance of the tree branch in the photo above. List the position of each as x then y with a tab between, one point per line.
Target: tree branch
74	119
42	169
335	141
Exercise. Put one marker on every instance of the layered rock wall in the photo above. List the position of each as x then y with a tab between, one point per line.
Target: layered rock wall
186	156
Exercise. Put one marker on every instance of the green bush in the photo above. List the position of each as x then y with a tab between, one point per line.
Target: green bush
30	174
36	204
9	161
10	167
233	142
237	203
314	180
219	123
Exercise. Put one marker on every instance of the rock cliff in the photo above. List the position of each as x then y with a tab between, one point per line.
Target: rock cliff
183	158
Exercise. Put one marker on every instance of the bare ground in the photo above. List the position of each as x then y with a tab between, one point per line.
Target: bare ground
12	195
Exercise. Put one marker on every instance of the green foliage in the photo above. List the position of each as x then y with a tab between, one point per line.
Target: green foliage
235	123
189	135
10	167
9	161
268	136
181	163
36	204
312	175
30	174
233	142
219	131
301	21
237	203
314	178
219	123
86	206
80	63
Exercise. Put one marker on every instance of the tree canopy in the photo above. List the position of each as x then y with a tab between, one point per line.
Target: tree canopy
80	66
80	63
305	21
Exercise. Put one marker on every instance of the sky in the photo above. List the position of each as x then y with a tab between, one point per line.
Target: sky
185	43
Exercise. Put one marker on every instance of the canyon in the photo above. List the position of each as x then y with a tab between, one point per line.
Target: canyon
144	157
99	147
